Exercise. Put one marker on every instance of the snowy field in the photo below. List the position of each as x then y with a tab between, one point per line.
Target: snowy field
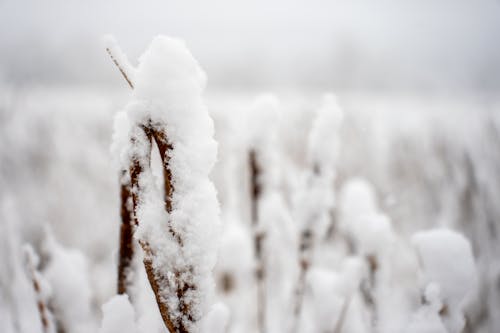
283	166
347	249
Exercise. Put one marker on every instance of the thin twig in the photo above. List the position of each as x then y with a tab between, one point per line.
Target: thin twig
126	212
155	276
120	68
368	287
46	318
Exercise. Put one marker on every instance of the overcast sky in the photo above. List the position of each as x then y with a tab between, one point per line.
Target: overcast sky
389	44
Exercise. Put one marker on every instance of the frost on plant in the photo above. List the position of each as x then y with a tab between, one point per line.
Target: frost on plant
176	223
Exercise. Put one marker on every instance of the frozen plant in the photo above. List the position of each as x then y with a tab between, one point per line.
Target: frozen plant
176	225
41	288
235	273
262	120
316	198
127	248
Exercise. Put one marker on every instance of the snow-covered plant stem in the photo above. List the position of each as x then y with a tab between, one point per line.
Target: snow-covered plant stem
262	126
46	318
176	232
315	202
156	276
258	239
126	251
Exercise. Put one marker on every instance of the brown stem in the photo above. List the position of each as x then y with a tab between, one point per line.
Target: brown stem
305	257
136	169
255	188
164	147
120	68
43	309
162	306
126	214
260	272
155	276
126	237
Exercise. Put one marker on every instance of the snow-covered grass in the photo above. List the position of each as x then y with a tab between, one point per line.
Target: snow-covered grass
406	222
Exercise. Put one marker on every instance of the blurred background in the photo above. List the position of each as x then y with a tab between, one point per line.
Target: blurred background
431	46
419	83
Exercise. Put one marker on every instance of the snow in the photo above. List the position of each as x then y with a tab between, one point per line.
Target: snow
118	316
451	267
324	144
262	120
380	177
18	306
261	135
216	320
373	234
67	273
448	272
332	292
357	198
167	96
315	199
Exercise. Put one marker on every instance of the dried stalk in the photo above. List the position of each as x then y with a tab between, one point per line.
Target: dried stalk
120	67
126	213
46	317
130	192
126	236
155	276
260	271
305	257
